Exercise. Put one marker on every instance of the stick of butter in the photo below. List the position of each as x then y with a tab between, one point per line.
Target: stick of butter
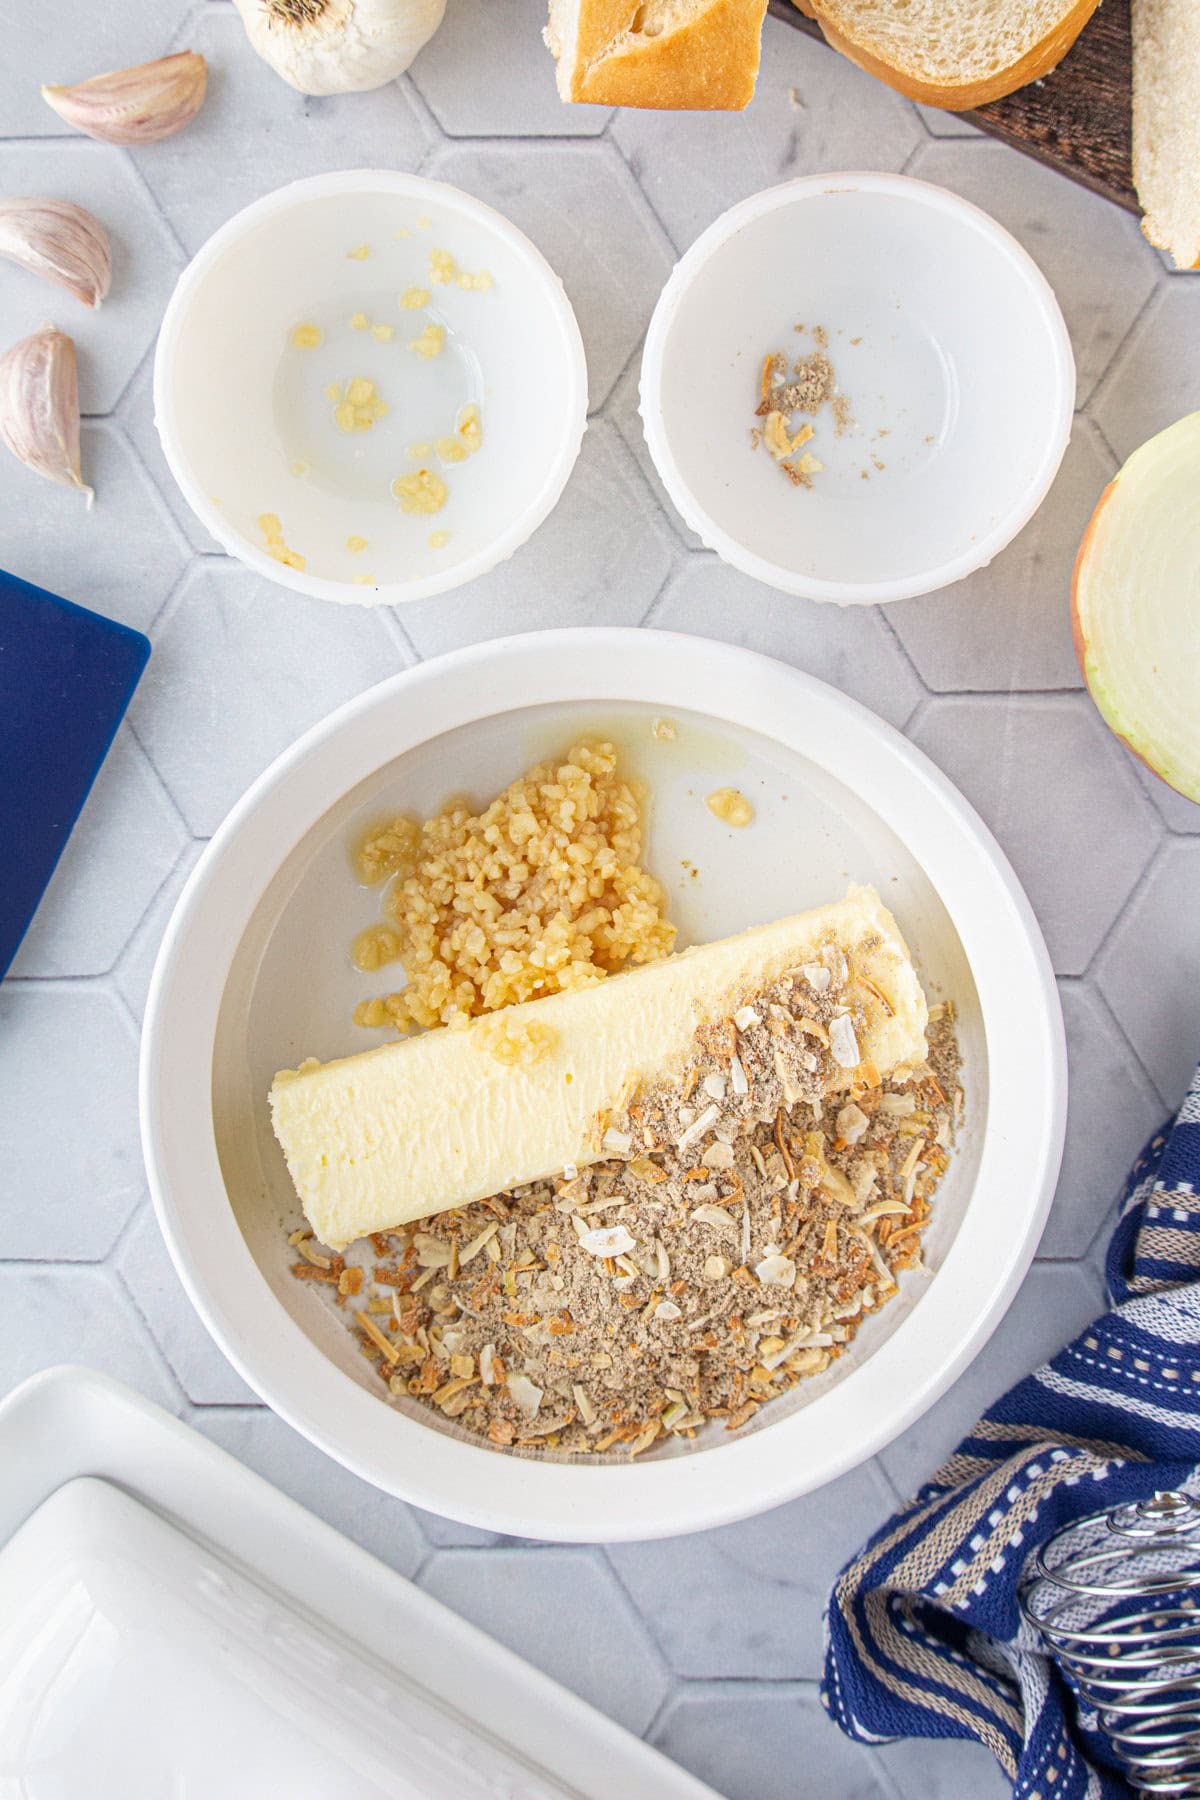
453	1116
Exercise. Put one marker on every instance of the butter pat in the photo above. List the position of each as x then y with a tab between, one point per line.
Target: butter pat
450	1117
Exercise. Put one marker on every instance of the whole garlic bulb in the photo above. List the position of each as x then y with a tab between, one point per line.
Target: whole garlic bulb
339	46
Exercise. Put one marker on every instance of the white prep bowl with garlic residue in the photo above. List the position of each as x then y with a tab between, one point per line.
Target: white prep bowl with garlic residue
453	326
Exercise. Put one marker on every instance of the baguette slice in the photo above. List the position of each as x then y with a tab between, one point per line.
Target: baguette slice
700	55
955	54
413	1128
1166	124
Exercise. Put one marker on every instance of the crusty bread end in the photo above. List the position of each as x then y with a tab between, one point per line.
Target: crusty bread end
697	55
1166	124
931	63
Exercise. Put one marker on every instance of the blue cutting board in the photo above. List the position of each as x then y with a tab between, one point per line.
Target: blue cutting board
66	677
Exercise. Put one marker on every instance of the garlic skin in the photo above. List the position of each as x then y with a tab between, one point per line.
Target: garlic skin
59	241
339	46
141	105
39	407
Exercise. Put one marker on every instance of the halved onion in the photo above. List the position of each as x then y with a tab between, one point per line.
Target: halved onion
1135	605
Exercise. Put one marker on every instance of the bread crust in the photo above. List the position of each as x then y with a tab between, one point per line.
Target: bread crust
708	64
961	96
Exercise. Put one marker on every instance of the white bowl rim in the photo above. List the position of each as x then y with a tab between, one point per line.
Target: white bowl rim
928	1349
573	401
1060	403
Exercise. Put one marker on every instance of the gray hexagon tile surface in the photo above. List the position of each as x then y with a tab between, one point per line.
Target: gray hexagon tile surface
1155	376
132	973
709	1645
212	170
385	1527
812	114
583	210
234	645
149	1276
563	1611
68	1074
1008	627
1045	772
851	647
599	559
1093	254
1150	969
481	76
146	259
131	554
779	1565
746	1742
54	1313
1102	1142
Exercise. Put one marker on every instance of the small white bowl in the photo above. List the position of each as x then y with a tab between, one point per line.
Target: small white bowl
247	424
944	336
254	974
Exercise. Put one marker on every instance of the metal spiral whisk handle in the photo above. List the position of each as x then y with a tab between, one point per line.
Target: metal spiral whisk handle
1112	1597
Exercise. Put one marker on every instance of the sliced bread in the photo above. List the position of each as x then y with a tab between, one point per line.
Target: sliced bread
689	54
1166	124
953	53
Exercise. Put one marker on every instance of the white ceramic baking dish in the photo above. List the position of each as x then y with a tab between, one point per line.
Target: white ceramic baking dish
151	1585
254	975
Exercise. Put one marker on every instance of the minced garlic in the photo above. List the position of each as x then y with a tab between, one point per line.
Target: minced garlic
467	439
374	947
418	452
360	321
385	849
383	332
521	1045
441	267
423	492
360	254
361	406
731	807
272	530
414	298
354	544
563	846
438	540
469	428
306	337
430	342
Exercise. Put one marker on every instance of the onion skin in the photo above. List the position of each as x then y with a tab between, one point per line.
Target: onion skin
1077	637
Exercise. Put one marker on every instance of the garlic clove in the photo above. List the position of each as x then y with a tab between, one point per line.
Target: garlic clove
135	106
39	407
58	240
339	46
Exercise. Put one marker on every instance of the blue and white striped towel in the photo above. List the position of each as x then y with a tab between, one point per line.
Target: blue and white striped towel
924	1636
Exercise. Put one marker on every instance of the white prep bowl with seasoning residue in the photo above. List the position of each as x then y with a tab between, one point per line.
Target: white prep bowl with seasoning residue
948	347
248	412
254	974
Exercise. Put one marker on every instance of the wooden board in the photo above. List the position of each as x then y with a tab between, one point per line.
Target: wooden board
1078	118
